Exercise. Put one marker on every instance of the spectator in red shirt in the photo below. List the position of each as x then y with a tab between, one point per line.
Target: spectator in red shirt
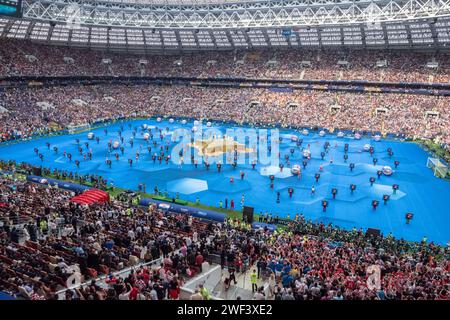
199	260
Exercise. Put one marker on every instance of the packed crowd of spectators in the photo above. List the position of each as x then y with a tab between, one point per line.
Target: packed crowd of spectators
45	239
16	59
326	263
403	114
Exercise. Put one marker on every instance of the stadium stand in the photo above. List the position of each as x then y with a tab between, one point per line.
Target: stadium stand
59	76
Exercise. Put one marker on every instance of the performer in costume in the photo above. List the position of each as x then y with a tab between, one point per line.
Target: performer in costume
324	205
374	204
334	192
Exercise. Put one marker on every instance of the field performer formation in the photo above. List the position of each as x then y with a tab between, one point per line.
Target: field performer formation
346	179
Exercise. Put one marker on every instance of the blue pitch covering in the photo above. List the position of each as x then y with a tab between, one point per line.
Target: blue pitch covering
420	192
6	296
195	212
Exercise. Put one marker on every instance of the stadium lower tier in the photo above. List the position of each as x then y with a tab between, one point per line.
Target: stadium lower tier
57	108
47	242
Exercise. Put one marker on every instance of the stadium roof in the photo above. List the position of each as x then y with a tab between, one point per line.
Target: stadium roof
246	14
178	2
155	25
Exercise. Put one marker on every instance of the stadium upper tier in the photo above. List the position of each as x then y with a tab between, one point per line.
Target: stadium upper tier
18	57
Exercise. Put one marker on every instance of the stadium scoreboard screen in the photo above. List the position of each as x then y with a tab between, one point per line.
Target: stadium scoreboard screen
11	8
